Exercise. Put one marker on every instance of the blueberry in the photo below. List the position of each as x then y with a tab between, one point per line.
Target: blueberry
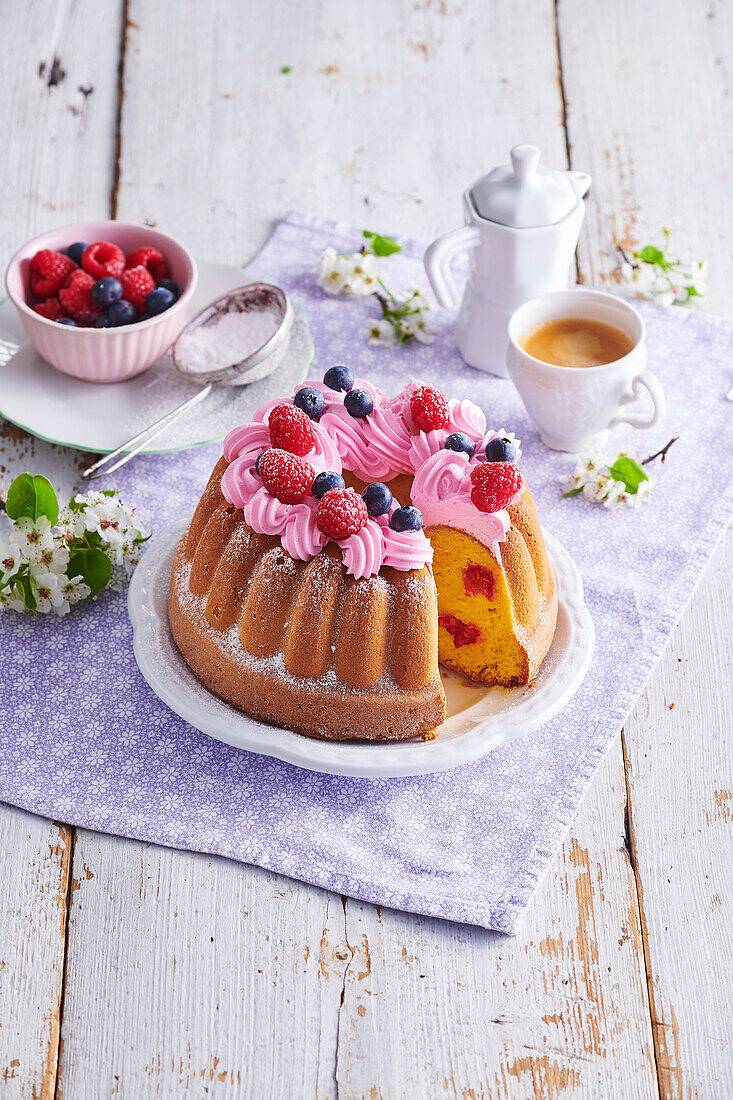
358	403
325	481
310	400
406	518
378	498
257	461
459	441
106	291
338	378
159	300
103	321
172	285
67	321
122	313
74	251
501	450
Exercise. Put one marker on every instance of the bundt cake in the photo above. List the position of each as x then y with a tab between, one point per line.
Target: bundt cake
305	594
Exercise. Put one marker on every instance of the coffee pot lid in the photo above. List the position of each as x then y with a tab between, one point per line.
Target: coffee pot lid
524	194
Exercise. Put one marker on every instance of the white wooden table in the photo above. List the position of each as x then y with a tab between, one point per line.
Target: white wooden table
131	970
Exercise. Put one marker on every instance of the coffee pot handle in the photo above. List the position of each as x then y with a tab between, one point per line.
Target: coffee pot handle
438	258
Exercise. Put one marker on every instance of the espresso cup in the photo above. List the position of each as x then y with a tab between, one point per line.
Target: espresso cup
572	405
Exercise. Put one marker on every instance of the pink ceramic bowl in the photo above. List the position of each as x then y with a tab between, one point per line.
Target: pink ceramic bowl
103	354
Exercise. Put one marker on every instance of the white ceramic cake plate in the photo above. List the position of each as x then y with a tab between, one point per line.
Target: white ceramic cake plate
96	417
479	718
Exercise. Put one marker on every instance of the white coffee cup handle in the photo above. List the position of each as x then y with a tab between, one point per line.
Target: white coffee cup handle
649	382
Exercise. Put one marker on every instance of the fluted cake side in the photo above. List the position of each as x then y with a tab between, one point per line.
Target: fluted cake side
304	645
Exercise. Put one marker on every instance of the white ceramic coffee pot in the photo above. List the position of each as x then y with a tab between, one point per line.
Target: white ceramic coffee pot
522	225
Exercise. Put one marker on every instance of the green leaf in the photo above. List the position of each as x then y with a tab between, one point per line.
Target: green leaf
32	495
381	246
93	566
572	492
651	255
25	587
693	292
629	471
286	69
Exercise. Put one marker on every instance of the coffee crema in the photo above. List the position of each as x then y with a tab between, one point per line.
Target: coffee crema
576	342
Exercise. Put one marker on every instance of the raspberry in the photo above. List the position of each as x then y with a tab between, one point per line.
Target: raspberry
291	429
102	258
49	272
284	476
137	282
429	408
150	258
341	513
461	633
51	309
495	485
76	297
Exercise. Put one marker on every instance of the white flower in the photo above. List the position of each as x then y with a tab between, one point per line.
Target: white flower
49	596
32	537
11	560
382	333
406	326
570	484
423	332
616	494
108	518
597	488
589	462
11	602
54	560
74	589
363	279
334	271
419	300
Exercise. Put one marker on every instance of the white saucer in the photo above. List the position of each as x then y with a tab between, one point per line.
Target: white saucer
479	719
96	417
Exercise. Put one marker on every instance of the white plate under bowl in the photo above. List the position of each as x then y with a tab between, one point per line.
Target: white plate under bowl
479	718
99	417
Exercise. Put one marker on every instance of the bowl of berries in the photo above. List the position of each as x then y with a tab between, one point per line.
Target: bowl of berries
102	301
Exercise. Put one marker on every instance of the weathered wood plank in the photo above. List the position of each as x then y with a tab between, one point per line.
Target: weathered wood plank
436	1009
198	976
36	860
656	164
679	753
389	112
58	100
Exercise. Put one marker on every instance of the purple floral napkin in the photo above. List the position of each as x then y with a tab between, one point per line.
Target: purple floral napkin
84	739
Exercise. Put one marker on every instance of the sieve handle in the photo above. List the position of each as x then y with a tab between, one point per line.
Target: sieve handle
133	446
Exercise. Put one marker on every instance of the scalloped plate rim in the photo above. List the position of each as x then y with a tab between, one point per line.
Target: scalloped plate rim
193	702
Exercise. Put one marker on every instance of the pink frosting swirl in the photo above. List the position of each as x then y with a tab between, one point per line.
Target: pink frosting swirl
363	553
406	549
294	523
442	492
249	440
240	482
